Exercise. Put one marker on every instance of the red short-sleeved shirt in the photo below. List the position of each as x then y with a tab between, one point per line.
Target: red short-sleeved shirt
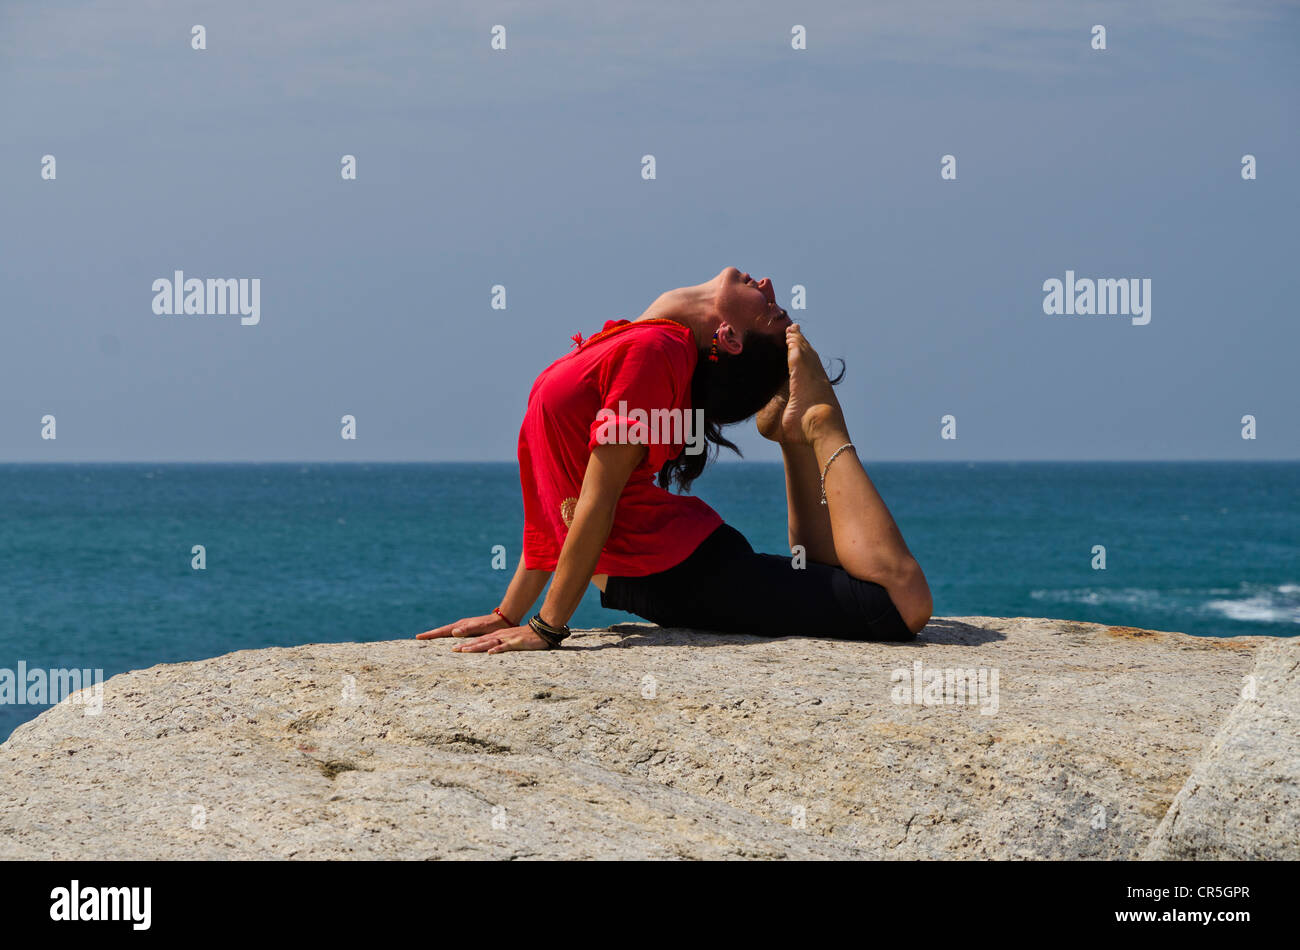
645	365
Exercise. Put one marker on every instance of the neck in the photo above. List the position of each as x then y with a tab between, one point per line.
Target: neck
692	307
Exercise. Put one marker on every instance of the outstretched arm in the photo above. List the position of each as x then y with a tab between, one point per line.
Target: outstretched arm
608	470
524	589
607	475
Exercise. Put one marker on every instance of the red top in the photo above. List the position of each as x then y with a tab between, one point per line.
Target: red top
646	365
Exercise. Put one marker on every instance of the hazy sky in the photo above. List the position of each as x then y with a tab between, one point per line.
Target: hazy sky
522	167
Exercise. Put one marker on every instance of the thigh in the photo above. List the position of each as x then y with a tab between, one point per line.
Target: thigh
679	596
771	597
725	586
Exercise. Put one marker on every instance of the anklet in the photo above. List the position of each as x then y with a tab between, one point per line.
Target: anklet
846	445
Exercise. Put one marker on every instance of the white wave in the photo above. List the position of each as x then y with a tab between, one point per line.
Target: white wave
1092	596
1250	603
1279	604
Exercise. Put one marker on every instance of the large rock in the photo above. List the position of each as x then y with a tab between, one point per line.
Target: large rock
642	742
1242	801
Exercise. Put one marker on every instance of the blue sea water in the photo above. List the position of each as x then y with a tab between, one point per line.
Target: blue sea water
95	559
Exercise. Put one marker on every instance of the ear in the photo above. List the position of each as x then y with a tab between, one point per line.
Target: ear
729	339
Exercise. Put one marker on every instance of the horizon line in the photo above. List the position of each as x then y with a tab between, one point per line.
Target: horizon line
729	461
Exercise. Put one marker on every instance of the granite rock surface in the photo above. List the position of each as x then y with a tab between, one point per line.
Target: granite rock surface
986	738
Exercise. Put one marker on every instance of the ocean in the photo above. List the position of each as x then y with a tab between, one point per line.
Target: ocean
95	560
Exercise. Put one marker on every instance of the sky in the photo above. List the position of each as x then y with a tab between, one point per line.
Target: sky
522	167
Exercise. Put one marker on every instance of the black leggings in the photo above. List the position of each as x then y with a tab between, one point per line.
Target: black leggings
724	586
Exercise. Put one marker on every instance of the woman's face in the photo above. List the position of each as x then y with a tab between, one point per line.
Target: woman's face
747	304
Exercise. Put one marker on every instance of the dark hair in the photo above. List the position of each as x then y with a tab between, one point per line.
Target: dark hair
731	390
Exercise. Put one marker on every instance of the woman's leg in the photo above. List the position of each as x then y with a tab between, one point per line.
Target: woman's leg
807	519
861	581
725	587
866	541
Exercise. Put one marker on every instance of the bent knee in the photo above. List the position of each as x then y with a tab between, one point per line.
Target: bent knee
917	619
911	596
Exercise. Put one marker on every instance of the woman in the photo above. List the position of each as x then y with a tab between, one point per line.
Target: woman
594	513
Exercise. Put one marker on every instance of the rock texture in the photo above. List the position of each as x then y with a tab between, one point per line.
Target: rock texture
1243	797
639	742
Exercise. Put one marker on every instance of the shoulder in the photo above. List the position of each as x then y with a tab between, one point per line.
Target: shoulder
670	343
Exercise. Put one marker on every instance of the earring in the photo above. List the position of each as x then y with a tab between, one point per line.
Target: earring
713	348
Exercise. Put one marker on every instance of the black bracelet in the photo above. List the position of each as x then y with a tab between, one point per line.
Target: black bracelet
552	635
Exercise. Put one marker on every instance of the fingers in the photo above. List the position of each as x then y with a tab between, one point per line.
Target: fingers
478	644
468	627
486	639
502	641
457	629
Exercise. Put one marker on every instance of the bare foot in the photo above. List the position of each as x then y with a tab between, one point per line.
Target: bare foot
824	422
769	417
812	408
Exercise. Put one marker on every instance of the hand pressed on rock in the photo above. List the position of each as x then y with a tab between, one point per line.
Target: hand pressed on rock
468	627
502	641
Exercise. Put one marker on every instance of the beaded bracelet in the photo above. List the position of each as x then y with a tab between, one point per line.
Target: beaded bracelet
497	611
551	635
